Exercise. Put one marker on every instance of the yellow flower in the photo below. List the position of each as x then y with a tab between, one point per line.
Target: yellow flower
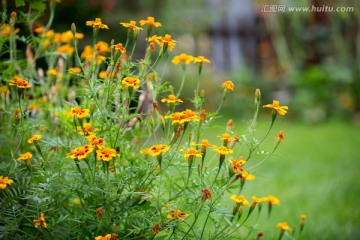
79	112
53	72
284	226
96	142
87	129
156	150
227	137
106	237
96	24
178	117
150	22
106	154
240	200
74	70
183	58
201	59
228	85
119	47
19	82
191	114
131	26
204	144
6	30
282	110
5	181
245	175
102	47
223	150
176	214
167	42
102	74
40	221
257	200
171	99
303	217
26	156
271	200
154	39
131	82
34	138
65	49
48	34
191	152
80	152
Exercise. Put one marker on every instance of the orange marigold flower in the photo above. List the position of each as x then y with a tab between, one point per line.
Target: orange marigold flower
26	156
73	70
53	72
102	47
80	152
303	217
65	49
206	195
257	200
191	114
237	163
176	214
156	150
284	226
5	181
131	26
167	42
96	24
19	82
154	39
191	152
106	154
178	117
34	138
88	129
106	237
228	85
40	221
171	99
240	200
275	105
96	142
119	47
155	229
6	30
201	59
131	82
102	74
79	112
150	21
223	150
183	58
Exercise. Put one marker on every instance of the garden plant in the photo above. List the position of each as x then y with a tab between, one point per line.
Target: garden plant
95	144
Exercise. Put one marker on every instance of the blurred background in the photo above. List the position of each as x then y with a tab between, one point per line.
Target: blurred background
309	61
305	59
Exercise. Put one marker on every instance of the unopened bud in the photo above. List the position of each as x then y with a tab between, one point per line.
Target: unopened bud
73	28
13	16
257	96
202	93
202	115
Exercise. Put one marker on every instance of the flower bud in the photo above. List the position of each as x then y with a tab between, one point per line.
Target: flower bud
257	96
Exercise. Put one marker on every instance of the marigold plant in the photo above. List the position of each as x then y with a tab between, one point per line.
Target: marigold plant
107	161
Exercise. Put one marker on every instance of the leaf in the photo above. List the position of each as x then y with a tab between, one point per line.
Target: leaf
38	5
19	3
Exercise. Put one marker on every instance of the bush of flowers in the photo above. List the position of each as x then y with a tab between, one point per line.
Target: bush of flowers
94	144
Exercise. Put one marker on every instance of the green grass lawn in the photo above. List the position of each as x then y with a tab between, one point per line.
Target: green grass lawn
315	171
